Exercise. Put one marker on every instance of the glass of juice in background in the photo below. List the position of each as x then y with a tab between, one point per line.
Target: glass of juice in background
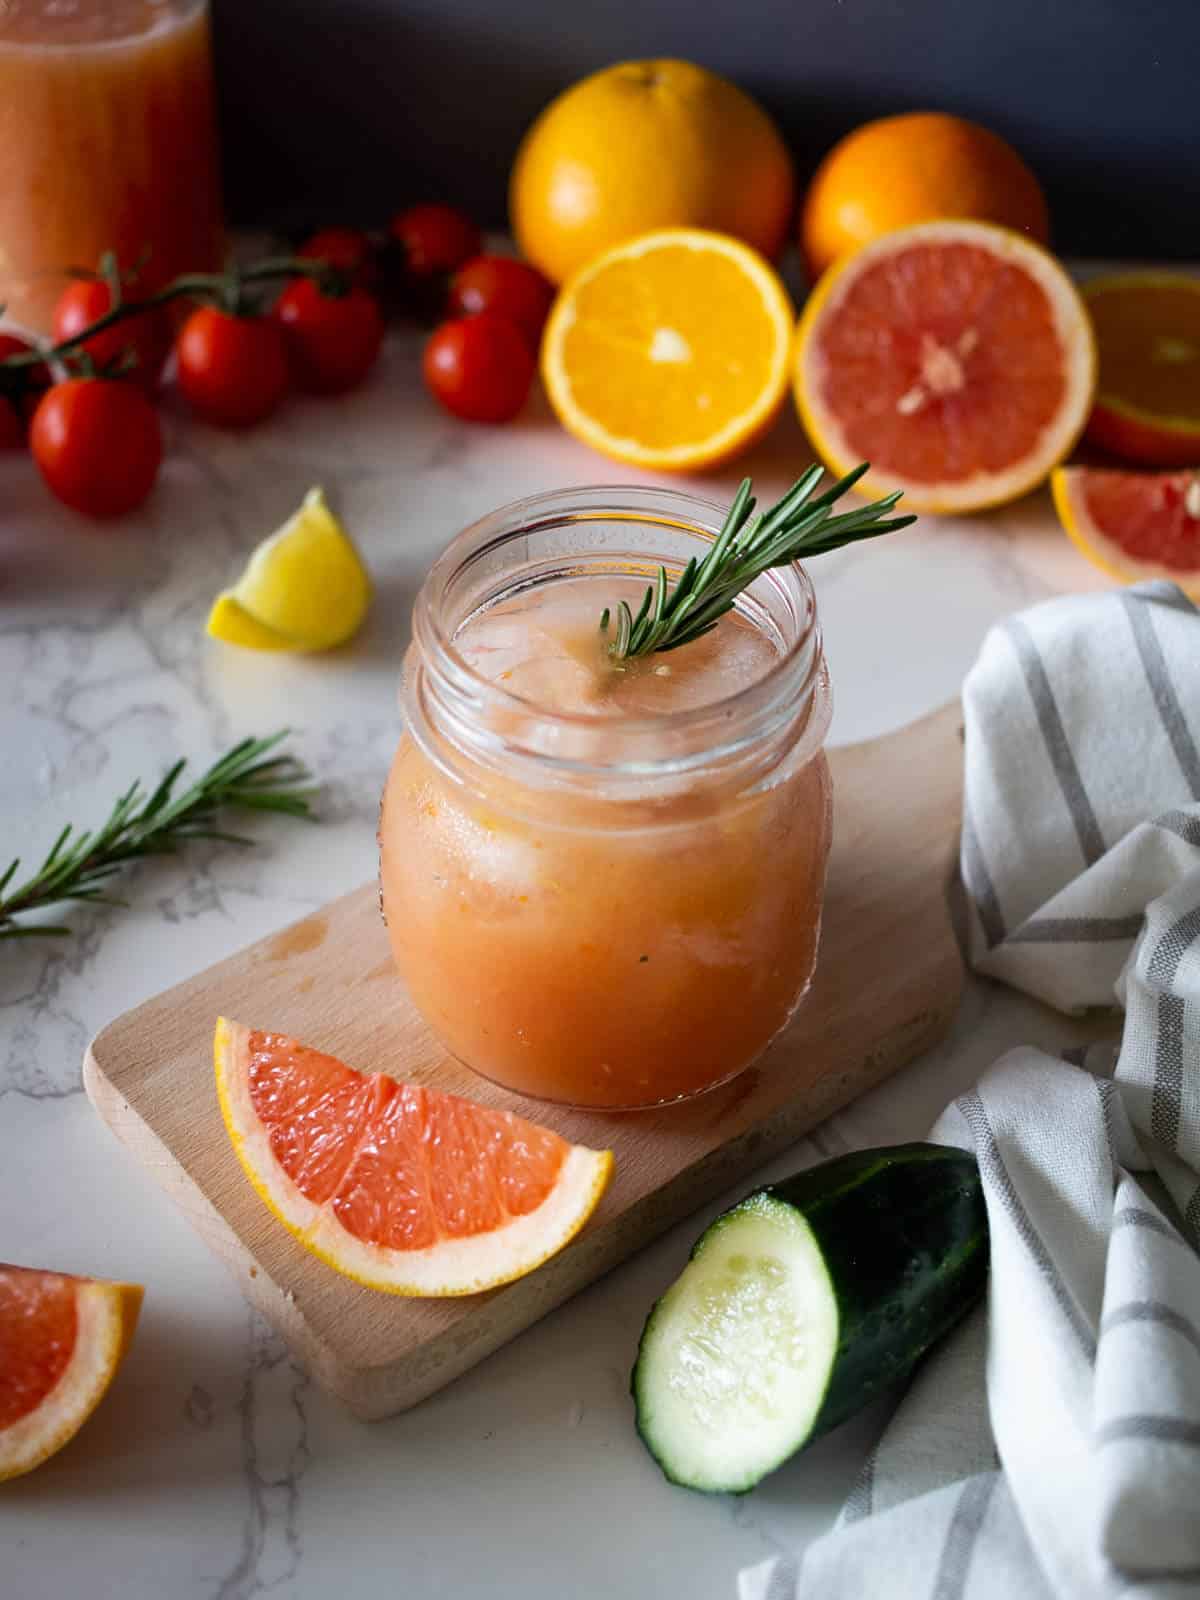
603	882
107	142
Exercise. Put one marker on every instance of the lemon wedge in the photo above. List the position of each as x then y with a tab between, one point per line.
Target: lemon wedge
304	588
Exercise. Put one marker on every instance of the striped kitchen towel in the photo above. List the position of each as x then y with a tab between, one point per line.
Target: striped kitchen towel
1051	1446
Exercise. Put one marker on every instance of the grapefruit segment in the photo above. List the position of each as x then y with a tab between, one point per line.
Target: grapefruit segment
956	357
62	1339
1148	339
1134	525
401	1187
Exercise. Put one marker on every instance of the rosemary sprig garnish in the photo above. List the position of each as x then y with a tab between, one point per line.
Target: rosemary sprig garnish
79	865
745	547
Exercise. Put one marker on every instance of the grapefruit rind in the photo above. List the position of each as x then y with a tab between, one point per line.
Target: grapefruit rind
984	489
739	432
1066	486
449	1268
107	1315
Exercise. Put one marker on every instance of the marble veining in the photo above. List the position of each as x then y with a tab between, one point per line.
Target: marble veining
215	1470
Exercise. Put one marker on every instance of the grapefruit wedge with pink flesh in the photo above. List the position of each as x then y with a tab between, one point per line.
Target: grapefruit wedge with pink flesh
62	1339
956	357
401	1187
1134	525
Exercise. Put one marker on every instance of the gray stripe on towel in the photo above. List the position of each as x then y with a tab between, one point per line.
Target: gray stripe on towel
1161	1430
1087	829
979	884
1155	1312
1166	1100
1166	701
1136	1217
1077	930
1185	823
987	1153
860	1500
1162	592
962	1536
1163	968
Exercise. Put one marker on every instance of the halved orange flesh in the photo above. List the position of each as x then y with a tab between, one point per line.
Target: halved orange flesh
402	1187
955	357
62	1339
670	351
1148	339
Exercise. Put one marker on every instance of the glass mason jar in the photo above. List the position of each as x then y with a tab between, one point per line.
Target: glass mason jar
599	911
107	142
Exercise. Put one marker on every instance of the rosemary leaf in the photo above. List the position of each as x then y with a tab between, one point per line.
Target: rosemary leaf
77	865
747	545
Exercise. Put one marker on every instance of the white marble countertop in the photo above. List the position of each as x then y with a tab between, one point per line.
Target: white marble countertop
215	1470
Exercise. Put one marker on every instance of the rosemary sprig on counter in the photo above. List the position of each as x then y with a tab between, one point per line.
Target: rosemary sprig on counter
78	866
745	547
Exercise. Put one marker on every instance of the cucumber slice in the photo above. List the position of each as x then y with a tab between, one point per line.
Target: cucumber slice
801	1304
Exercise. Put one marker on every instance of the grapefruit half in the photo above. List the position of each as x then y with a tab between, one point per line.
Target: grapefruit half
401	1187
61	1341
956	357
1148	338
1134	525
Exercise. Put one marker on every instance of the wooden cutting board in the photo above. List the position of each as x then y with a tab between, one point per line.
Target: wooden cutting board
887	985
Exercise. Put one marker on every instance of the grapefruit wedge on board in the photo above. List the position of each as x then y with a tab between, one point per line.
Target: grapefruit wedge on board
401	1187
1134	525
956	357
1148	337
61	1341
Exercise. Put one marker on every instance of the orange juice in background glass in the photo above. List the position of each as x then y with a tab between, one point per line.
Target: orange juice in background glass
107	142
602	882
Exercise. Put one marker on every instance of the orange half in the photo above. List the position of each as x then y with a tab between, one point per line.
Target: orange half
61	1341
670	351
1148	338
401	1187
955	357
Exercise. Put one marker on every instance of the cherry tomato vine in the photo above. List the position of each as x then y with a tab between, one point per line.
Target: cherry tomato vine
83	402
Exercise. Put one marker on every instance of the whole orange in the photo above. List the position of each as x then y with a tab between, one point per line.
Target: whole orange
923	166
644	145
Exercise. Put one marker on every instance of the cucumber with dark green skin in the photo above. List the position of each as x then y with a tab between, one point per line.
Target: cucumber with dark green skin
801	1304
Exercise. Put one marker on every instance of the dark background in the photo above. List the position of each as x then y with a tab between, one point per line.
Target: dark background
343	110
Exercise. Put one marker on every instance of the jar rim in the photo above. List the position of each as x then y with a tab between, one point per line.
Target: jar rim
784	711
174	13
438	641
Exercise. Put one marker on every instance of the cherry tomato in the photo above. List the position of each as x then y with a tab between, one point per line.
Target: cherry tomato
480	368
12	428
332	339
11	344
20	390
146	338
348	249
434	239
512	288
97	443
232	370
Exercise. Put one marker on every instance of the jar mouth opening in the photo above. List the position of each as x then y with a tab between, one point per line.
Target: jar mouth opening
697	518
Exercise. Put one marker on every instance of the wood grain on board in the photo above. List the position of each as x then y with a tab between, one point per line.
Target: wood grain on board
887	985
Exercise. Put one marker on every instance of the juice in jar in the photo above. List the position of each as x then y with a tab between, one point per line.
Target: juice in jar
597	940
107	142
